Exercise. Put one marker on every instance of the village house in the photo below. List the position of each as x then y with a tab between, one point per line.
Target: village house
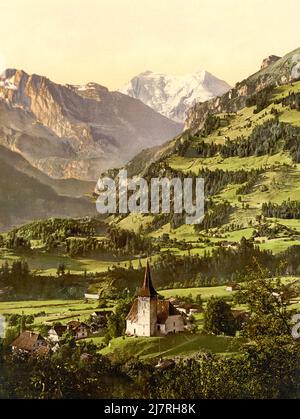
150	316
78	329
101	315
188	309
32	343
56	333
233	287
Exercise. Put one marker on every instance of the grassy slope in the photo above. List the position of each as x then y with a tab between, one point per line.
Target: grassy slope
55	310
279	181
173	345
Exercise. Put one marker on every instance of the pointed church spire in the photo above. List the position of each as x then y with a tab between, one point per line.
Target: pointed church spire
147	289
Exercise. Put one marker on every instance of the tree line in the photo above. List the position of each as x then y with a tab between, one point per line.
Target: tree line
287	210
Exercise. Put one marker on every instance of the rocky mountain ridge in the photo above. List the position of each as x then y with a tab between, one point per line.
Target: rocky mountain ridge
75	131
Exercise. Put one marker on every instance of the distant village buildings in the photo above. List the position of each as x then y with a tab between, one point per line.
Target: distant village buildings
34	344
150	316
76	328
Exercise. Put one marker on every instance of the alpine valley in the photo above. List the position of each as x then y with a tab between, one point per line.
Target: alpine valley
230	284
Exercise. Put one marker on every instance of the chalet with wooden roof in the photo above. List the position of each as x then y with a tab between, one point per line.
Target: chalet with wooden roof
150	316
30	342
78	329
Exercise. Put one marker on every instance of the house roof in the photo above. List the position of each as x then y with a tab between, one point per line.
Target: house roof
147	289
75	325
189	306
27	340
59	329
165	309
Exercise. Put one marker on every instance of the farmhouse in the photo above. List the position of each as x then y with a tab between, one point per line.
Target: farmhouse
233	287
91	296
56	333
150	316
79	330
30	342
188	309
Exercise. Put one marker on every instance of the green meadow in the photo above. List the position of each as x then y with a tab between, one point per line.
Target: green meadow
172	345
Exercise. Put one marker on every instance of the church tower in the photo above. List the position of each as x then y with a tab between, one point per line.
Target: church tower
147	306
151	316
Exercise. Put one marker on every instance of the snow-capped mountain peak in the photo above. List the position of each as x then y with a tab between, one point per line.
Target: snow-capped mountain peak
172	95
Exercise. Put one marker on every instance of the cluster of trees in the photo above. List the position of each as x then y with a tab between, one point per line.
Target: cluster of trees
117	241
129	241
24	284
169	271
271	231
218	317
54	231
292	101
211	124
214	268
261	99
207	149
266	139
216	215
16	319
287	210
15	242
249	185
61	228
18	270
77	238
216	180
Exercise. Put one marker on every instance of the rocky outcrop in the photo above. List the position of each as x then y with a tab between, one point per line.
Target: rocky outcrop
269	60
75	131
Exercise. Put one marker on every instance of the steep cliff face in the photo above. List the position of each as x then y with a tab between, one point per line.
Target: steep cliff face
279	72
75	131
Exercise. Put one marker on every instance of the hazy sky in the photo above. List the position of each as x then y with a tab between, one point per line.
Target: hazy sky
110	41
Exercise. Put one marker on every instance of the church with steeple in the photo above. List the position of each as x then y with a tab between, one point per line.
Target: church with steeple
150	316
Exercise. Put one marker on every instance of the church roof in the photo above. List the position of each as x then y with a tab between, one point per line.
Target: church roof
133	313
147	289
